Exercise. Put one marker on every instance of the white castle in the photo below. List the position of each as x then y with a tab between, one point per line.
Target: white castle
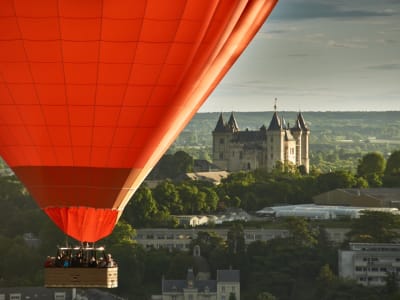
236	150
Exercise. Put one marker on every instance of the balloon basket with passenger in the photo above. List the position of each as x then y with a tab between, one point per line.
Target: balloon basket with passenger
82	266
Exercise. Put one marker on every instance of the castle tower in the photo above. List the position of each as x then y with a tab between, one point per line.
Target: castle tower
297	134
275	141
221	137
305	160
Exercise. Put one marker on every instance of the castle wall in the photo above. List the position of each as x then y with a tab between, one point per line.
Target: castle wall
231	155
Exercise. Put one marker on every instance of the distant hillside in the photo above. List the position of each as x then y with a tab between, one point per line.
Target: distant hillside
357	132
345	125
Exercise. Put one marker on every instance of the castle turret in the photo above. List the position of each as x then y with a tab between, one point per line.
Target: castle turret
297	134
305	160
275	142
232	124
222	134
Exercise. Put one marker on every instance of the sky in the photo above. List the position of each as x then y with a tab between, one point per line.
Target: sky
318	55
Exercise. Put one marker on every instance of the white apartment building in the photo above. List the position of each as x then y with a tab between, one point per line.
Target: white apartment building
369	263
181	238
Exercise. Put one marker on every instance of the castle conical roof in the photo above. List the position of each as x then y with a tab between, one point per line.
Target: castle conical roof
232	124
297	126
303	124
275	123
220	127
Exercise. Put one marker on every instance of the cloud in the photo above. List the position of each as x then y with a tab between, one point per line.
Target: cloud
354	45
306	9
385	67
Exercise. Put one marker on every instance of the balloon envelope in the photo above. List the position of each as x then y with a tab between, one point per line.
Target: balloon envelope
93	92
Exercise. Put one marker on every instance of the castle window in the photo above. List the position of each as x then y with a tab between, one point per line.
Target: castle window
248	166
221	155
240	155
233	153
221	141
272	139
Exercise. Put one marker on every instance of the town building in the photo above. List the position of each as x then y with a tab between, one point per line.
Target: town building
369	263
236	150
320	212
181	239
42	293
199	286
369	197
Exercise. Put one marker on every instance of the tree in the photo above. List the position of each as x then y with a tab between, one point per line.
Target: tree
392	171
371	167
193	200
375	227
167	197
334	180
232	296
141	208
301	232
123	233
326	275
393	164
236	244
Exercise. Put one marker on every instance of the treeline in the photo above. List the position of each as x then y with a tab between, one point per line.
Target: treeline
302	266
251	191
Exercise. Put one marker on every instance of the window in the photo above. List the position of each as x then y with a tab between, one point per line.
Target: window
15	296
190	297
59	296
240	155
233	289
223	289
221	155
221	141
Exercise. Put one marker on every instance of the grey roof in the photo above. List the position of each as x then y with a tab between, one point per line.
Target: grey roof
302	122
220	127
248	136
228	275
275	123
232	124
297	126
386	194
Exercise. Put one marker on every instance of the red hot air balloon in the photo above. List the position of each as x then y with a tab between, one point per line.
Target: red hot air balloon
93	92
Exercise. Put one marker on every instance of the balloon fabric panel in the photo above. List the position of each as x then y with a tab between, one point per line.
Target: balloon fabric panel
92	93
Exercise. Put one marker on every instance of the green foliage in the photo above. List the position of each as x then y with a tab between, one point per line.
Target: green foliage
393	164
232	296
301	232
375	227
173	165
142	208
337	179
371	167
